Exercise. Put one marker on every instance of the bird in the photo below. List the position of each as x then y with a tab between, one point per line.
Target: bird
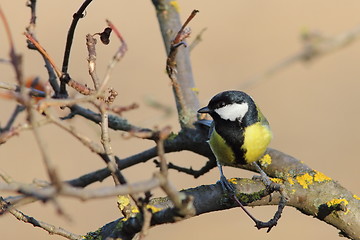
239	133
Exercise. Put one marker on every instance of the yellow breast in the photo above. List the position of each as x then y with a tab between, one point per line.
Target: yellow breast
221	150
256	139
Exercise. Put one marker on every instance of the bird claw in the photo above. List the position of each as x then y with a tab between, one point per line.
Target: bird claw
269	225
226	186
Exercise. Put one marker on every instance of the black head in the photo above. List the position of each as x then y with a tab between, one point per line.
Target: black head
233	106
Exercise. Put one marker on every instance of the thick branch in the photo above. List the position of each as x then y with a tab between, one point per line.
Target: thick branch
316	200
170	24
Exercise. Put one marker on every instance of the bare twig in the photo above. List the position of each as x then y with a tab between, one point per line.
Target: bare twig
43	52
51	229
166	10
14	57
65	78
30	29
115	122
32	91
86	141
314	46
14	131
181	201
210	164
105	141
45	103
50	192
76	17
18	109
32	5
197	39
50	167
120	109
120	53
90	43
6	177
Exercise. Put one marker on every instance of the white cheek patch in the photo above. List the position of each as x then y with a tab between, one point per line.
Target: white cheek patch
233	111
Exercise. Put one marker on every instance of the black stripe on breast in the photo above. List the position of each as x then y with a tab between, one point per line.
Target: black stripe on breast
233	134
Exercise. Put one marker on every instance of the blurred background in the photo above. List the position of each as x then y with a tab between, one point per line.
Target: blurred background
312	107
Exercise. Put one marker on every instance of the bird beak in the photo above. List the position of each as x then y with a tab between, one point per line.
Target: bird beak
204	110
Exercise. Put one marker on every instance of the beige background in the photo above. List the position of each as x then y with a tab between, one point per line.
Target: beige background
313	108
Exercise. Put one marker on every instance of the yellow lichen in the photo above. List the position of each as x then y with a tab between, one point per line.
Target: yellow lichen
134	210
196	90
305	180
337	201
320	177
291	180
123	201
175	4
233	180
277	180
153	208
265	160
356	197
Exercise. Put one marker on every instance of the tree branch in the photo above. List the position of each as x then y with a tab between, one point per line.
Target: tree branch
170	24
316	200
76	17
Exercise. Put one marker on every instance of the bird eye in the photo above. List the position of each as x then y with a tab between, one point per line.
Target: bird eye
221	104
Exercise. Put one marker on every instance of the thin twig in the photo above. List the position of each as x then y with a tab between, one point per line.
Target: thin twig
182	202
50	167
50	192
64	77
90	43
18	109
76	17
210	164
43	52
51	229
120	53
32	5
197	39
14	131
105	141
6	177
13	87
14	57
31	30
85	140
314	46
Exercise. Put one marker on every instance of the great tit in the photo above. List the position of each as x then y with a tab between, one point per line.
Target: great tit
239	134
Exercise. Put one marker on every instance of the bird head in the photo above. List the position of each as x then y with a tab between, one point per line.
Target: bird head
233	106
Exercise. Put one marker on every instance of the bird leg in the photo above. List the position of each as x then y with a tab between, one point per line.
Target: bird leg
226	186
263	176
271	186
229	189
